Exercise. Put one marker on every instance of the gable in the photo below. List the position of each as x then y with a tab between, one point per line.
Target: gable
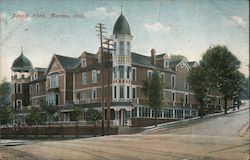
54	66
182	65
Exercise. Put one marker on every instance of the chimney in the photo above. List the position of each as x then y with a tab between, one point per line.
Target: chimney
153	57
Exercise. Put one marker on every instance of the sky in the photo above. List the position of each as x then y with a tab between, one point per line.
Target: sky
186	27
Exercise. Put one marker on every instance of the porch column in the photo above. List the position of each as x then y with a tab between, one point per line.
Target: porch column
151	113
184	114
137	114
173	113
162	113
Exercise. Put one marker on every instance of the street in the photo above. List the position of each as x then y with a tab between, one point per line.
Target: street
216	137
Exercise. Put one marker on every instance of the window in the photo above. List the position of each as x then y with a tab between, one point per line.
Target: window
94	80
54	81
19	104
128	72
19	88
37	88
115	92
94	93
163	76
84	78
134	74
173	97
78	96
186	98
121	47
134	93
115	48
35	76
121	72
128	48
57	99
149	74
30	90
84	62
193	113
128	92
173	80
219	101
115	72
166	63
121	91
53	99
186	85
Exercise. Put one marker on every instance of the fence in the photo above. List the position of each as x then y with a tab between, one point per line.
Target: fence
49	131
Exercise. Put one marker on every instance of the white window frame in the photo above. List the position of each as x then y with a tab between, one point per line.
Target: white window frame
85	62
128	47
128	96
166	61
19	100
133	71
121	48
94	90
56	85
84	78
121	92
163	76
17	87
134	88
186	98
37	88
173	98
173	85
30	89
149	72
94	73
115	92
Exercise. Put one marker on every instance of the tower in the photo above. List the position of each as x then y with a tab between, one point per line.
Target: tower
121	75
21	69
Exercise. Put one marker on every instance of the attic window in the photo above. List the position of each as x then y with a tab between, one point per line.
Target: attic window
182	65
166	63
84	62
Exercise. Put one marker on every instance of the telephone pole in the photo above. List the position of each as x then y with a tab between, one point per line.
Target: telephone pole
109	79
100	29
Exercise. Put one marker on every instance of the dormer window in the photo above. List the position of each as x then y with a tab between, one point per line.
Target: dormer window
84	62
166	63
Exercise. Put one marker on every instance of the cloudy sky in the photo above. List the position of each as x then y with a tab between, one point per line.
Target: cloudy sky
65	27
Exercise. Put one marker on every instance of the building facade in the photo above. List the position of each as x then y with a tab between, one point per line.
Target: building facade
71	81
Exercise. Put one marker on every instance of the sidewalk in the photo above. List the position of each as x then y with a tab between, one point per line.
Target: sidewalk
195	119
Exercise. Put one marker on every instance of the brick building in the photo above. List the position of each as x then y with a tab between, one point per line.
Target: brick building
77	80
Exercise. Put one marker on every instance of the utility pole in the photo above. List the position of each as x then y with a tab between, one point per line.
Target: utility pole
100	29
109	66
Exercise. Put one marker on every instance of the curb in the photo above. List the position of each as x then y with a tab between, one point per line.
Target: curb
170	124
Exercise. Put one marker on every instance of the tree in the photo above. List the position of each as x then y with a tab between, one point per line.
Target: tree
93	114
35	116
198	83
178	57
153	92
7	115
5	93
50	110
221	68
77	113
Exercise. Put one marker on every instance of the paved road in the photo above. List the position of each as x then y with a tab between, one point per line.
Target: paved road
223	137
